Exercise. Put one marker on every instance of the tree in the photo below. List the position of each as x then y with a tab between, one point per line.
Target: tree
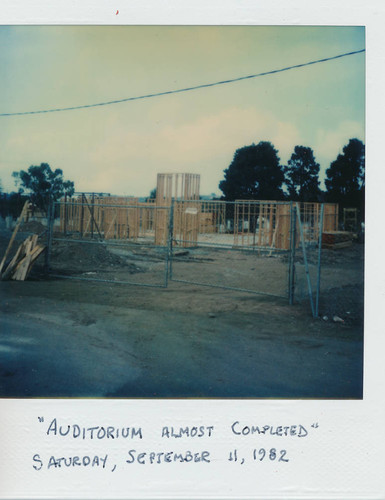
43	185
254	173
152	196
345	179
301	175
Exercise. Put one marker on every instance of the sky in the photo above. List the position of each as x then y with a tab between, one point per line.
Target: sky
120	148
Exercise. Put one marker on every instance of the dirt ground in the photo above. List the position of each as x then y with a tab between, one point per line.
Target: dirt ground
69	338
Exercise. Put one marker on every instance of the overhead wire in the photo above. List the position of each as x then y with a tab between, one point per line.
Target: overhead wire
186	89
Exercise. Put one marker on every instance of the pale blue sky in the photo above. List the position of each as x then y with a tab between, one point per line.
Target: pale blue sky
120	148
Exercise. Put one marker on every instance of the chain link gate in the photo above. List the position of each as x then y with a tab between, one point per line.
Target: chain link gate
307	265
243	246
106	241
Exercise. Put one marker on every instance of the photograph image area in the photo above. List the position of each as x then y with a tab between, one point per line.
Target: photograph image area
182	212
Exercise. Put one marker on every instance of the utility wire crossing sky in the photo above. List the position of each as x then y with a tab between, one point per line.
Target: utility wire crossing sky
187	89
120	149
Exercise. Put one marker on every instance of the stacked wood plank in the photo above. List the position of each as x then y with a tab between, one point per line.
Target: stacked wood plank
19	221
21	264
27	253
336	239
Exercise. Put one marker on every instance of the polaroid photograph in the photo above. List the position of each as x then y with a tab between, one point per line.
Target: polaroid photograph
190	267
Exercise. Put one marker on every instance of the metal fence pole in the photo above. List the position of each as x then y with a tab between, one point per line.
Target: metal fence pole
51	219
321	225
305	261
92	214
169	245
292	253
65	215
82	216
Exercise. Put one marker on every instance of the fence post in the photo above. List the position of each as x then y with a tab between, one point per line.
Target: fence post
321	225
82	216
92	215
305	261
292	253
65	215
51	219
170	242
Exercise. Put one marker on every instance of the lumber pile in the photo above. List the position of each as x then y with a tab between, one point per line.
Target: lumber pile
27	253
21	264
336	239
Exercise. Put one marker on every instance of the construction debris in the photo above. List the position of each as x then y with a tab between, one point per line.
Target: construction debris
21	264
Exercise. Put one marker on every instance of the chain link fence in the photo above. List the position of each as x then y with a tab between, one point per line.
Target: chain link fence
260	247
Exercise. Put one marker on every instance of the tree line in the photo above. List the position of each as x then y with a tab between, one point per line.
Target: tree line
255	173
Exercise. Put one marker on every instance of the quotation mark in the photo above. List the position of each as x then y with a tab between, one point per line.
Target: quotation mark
41	419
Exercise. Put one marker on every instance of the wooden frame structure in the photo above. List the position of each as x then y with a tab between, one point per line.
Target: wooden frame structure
256	223
107	217
259	224
177	187
183	191
267	223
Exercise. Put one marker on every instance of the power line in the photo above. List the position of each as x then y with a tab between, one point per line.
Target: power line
187	89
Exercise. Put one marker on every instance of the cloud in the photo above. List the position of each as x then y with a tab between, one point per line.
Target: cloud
130	160
109	156
329	143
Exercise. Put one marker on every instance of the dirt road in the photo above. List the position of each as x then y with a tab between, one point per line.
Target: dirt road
71	339
68	338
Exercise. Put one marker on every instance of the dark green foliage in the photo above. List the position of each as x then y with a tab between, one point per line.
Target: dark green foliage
152	195
11	204
301	175
254	173
42	184
345	182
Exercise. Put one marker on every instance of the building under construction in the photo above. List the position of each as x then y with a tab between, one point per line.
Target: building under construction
178	208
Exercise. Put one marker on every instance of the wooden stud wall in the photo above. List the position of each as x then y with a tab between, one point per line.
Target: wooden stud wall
283	227
256	223
330	217
177	187
184	190
130	221
267	224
